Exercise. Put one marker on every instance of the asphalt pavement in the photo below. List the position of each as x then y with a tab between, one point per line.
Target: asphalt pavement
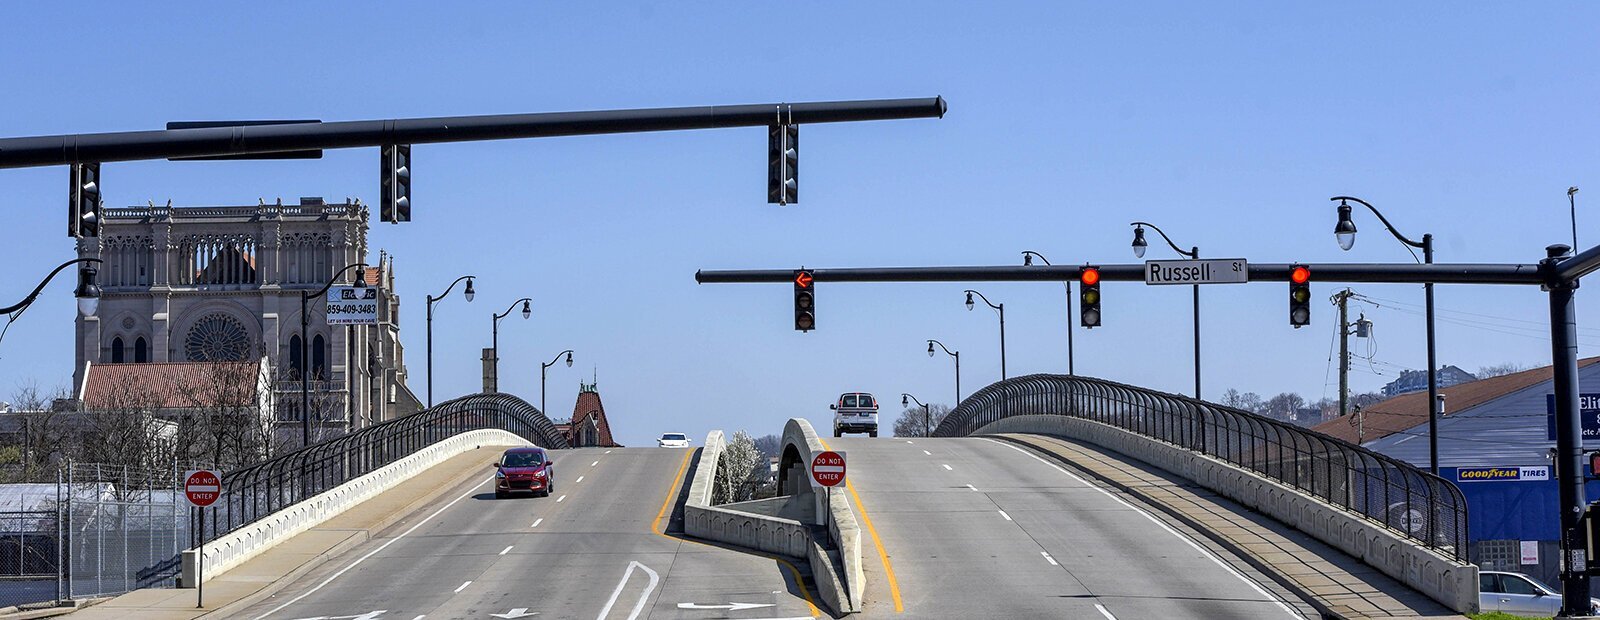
976	528
595	548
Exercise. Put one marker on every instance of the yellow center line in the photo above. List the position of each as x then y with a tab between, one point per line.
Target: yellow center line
888	568
666	504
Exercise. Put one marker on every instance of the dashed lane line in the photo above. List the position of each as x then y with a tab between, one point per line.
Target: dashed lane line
560	499
463	586
1049	559
506	550
1002	513
537	521
1104	612
947	467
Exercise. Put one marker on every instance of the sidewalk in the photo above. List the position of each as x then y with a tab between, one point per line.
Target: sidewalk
1332	581
265	574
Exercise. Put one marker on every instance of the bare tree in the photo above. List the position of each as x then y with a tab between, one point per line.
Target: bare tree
221	402
769	445
1248	401
1286	406
1495	370
45	437
911	422
123	432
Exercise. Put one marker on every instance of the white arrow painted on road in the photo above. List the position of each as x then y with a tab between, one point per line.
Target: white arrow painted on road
371	615
520	612
731	606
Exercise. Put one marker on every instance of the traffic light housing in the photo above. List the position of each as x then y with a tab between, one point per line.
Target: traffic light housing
83	201
1299	296
1089	294
783	164
396	182
805	301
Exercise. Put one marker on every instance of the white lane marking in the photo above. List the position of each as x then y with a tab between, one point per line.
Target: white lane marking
908	441
558	499
637	607
506	550
375	551
594	463
1002	513
463	586
927	453
1049	559
580	479
1104	611
608	452
1158	522
537	521
519	612
972	487
420	617
730	606
947	467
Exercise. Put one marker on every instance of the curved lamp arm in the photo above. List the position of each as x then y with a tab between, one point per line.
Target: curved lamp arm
557	358
946	349
359	283
452	287
971	292
913	399
513	306
1029	255
1193	254
1381	218
36	290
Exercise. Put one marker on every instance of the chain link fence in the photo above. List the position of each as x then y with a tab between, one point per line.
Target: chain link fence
1410	501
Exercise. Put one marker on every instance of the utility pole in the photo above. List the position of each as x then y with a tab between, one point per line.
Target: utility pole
1342	299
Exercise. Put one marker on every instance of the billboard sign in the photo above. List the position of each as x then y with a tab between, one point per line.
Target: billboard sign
350	305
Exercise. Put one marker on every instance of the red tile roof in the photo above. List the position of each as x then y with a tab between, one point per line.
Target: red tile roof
1405	411
170	385
589	405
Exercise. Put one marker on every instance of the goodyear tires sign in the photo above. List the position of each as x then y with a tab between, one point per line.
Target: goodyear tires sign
1502	474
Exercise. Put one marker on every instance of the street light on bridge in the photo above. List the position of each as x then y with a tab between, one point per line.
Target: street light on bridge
954	354
494	367
432	300
1139	247
305	345
927	417
1345	231
1001	308
1027	260
546	366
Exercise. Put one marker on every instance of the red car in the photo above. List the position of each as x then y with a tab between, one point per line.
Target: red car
524	469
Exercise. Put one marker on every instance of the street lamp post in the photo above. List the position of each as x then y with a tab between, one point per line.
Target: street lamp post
546	366
1001	308
494	372
1139	246
1345	230
88	293
305	347
954	354
1027	260
927	417
431	301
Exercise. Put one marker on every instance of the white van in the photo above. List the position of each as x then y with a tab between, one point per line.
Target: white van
856	412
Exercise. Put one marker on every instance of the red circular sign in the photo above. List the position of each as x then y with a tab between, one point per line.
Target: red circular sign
828	468
202	487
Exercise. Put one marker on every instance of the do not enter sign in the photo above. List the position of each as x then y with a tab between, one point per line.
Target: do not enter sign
202	487
827	469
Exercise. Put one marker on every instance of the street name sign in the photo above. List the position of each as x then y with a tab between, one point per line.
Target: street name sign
202	487
827	469
1206	271
350	305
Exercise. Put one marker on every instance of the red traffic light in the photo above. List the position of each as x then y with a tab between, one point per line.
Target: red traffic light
1300	275
802	279
1089	276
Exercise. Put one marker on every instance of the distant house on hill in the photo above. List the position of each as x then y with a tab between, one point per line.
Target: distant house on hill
588	427
1417	380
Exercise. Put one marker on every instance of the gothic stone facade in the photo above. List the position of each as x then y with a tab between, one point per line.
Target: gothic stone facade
191	284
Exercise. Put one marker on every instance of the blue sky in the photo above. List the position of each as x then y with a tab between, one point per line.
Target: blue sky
1227	125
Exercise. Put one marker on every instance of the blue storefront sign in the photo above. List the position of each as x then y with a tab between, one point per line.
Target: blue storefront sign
1589	412
1502	474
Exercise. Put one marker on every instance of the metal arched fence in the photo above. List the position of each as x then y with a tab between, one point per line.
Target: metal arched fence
1410	501
255	492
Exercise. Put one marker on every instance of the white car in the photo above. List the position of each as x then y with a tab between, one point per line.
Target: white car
1518	594
673	440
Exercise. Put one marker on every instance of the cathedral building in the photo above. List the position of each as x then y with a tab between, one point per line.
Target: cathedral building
219	284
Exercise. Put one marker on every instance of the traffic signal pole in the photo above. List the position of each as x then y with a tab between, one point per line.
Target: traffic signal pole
1557	274
61	150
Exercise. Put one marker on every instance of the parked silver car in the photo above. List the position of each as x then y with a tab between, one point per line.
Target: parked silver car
1518	594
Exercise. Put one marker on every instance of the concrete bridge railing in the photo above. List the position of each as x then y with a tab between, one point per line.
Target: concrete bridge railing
1402	520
